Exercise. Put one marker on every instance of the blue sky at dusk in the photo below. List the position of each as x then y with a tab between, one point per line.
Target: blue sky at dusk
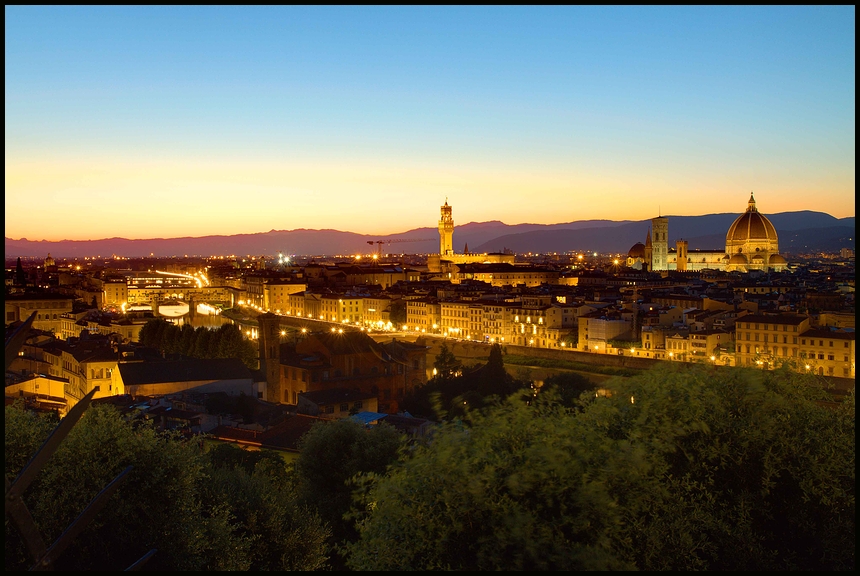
188	121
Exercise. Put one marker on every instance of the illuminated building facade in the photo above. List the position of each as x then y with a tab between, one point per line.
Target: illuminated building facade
441	263
751	244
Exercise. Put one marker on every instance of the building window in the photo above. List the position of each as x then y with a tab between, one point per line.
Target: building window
357	405
344	407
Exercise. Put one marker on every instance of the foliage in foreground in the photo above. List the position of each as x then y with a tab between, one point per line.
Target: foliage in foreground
332	453
199	516
681	468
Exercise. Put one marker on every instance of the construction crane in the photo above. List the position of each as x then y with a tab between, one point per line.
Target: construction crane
390	241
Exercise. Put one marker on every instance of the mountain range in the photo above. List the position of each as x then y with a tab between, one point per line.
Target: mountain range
799	232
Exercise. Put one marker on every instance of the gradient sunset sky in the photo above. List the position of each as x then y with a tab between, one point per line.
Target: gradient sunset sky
185	121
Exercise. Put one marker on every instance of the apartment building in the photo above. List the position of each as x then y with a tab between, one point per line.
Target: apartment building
827	352
769	340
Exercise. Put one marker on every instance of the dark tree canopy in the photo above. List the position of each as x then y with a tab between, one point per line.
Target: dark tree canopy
225	342
676	469
198	516
332	455
454	388
568	387
397	313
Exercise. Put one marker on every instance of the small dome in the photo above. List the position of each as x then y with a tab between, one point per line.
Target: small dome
777	259
637	251
751	225
738	259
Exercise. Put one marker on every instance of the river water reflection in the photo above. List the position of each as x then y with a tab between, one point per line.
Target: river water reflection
212	321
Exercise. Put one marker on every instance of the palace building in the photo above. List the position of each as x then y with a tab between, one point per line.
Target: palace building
446	257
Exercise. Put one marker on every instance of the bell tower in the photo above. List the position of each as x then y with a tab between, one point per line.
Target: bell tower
446	231
270	355
660	243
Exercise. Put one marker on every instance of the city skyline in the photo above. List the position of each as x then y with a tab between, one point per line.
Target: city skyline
184	121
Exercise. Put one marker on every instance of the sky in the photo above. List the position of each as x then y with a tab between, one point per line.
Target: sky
145	122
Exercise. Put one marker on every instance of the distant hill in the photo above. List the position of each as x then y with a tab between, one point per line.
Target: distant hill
798	231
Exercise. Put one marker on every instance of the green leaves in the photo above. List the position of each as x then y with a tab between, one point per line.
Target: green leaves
676	469
197	516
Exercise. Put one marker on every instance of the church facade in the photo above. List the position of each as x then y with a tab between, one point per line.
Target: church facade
751	244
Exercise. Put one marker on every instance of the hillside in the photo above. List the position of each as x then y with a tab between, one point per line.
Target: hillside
804	231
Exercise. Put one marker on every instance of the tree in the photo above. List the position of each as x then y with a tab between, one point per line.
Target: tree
169	501
508	493
454	388
331	455
397	313
202	337
568	387
156	507
230	457
229	341
679	468
161	327
493	379
260	492
186	340
152	332
446	364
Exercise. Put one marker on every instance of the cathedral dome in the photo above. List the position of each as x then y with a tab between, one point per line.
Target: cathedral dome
637	251
776	259
751	225
738	259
